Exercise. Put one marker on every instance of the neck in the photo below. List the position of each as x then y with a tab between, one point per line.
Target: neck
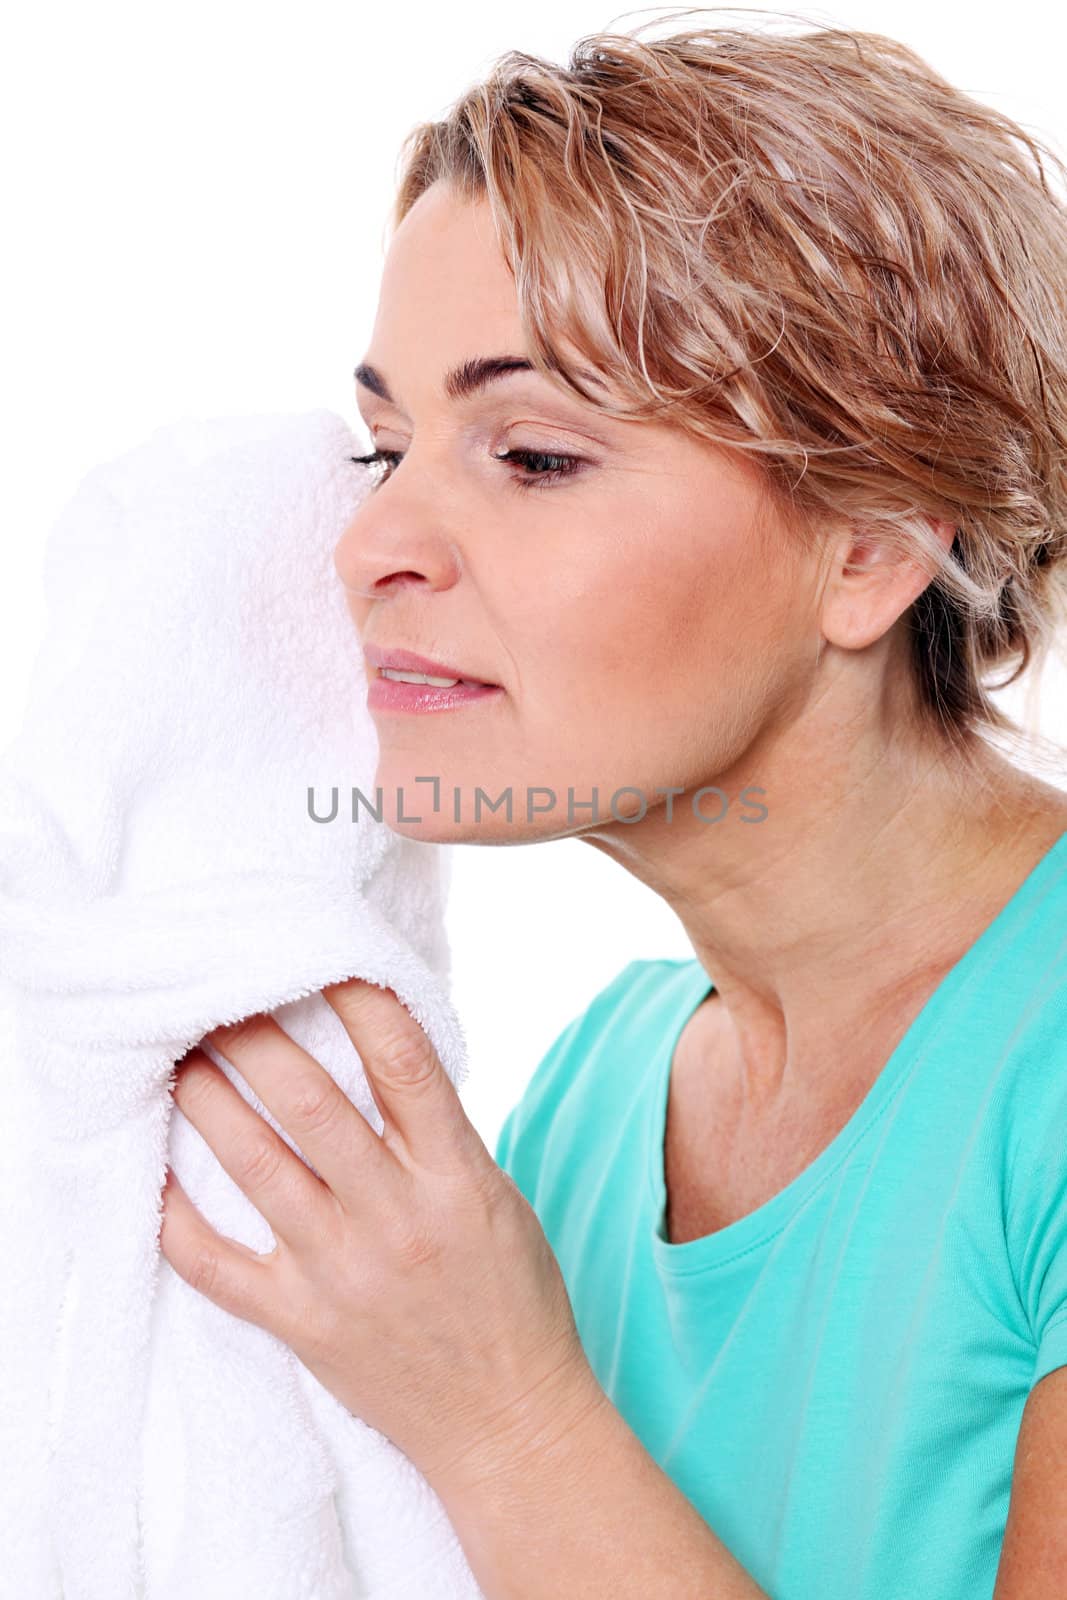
826	925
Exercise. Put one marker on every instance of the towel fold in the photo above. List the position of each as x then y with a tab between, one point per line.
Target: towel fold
161	873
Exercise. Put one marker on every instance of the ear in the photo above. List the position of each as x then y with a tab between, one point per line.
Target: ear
869	584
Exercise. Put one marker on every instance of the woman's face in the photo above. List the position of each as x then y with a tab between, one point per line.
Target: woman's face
642	628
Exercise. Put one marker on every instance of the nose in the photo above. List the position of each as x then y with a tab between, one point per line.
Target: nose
383	550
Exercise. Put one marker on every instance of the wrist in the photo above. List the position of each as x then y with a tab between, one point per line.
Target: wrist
557	1422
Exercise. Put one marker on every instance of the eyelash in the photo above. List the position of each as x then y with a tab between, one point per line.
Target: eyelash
540	479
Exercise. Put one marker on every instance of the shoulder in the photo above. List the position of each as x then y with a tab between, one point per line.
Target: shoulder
591	1053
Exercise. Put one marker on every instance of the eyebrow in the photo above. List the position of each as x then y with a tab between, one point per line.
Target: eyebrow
469	378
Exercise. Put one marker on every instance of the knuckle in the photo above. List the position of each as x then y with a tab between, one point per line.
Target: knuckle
316	1106
416	1243
202	1270
492	1190
410	1057
257	1162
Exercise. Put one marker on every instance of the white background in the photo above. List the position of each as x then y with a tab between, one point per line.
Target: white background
195	200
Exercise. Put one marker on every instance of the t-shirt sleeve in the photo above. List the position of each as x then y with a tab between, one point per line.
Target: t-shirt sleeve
1046	1271
1037	1217
1052	1351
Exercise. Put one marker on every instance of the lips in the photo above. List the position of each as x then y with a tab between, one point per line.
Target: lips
409	661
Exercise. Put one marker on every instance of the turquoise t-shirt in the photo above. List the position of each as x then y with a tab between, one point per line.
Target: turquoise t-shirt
836	1380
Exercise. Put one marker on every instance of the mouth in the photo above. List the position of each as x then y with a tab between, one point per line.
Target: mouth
396	691
405	666
394	675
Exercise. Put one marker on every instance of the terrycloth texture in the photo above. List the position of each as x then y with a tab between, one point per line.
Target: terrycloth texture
161	875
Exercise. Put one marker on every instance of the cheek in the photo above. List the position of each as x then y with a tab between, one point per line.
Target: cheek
659	668
656	619
613	668
657	610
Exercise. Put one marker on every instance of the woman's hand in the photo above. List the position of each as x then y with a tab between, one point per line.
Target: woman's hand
413	1279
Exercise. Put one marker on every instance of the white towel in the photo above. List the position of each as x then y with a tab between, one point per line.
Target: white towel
160	874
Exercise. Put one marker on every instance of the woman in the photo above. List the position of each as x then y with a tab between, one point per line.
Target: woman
718	401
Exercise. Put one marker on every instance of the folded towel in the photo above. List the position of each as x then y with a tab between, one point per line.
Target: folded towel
160	874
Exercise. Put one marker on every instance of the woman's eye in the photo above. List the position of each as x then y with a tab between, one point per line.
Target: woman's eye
536	467
378	458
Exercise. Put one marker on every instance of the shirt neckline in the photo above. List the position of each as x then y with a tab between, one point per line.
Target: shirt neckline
758	1226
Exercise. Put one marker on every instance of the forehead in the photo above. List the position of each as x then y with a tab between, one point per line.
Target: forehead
448	306
445	261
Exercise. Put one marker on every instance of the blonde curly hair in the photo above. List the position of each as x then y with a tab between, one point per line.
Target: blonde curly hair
813	248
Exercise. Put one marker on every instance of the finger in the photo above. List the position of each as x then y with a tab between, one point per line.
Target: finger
226	1271
281	1187
306	1101
413	1092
